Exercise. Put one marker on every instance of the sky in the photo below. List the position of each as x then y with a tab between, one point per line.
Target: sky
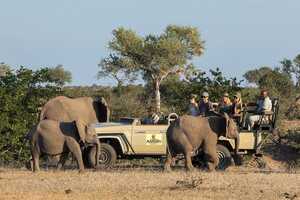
239	35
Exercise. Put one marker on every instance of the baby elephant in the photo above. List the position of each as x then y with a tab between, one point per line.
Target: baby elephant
54	138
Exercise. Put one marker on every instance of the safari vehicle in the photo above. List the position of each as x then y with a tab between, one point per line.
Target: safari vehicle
132	138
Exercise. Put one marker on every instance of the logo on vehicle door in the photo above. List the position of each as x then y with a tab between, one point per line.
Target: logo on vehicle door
153	139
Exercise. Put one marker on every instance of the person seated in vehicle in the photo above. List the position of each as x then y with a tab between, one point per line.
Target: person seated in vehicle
193	106
154	118
264	104
225	104
236	107
205	105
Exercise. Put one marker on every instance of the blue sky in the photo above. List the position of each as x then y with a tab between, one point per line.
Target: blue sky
239	35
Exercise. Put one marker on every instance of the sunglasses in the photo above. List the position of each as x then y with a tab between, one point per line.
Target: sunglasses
235	97
204	97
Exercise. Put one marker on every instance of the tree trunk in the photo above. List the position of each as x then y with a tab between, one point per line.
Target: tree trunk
157	95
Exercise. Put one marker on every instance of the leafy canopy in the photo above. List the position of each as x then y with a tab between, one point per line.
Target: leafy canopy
155	56
22	93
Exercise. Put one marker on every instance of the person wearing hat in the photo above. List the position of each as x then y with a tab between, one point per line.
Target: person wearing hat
193	106
205	106
236	108
225	104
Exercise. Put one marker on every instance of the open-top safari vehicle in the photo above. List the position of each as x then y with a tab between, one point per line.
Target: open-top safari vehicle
132	138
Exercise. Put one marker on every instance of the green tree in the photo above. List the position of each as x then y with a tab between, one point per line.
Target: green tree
111	68
155	57
59	75
22	93
254	76
4	69
296	70
176	93
278	81
287	67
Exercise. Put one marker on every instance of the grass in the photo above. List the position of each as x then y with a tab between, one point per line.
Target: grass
143	184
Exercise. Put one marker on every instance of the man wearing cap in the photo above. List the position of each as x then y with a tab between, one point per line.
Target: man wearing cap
205	106
193	106
225	104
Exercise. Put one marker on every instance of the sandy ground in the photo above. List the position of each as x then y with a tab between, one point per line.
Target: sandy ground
147	184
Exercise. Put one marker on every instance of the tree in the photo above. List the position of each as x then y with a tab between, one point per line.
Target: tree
292	68
277	81
287	67
296	70
22	93
176	93
155	57
4	69
111	68
254	76
59	75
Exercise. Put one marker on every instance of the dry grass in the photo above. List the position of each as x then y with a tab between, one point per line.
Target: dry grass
143	184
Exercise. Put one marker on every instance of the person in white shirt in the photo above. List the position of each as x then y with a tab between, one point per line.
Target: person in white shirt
264	103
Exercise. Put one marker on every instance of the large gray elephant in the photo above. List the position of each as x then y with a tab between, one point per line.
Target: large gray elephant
54	138
65	109
188	133
84	109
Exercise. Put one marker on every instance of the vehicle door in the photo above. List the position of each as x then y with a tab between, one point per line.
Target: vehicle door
149	139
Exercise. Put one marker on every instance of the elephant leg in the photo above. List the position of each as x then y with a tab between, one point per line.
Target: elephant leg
210	150
35	159
62	160
167	166
74	147
188	160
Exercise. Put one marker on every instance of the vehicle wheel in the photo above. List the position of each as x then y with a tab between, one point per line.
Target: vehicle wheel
107	158
224	156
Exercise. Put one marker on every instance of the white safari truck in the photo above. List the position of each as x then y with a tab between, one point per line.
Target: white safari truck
132	138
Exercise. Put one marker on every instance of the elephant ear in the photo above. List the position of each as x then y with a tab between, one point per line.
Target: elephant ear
231	128
101	109
81	128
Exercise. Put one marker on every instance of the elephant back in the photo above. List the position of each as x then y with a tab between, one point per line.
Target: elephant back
65	109
195	128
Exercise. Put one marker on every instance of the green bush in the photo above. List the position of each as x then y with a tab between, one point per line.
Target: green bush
22	93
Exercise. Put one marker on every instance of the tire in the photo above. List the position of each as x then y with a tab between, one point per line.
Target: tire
107	158
225	159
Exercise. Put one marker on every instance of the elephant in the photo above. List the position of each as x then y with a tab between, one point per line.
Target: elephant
188	133
55	138
85	109
66	109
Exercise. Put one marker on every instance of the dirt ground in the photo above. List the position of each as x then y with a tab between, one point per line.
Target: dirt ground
235	183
